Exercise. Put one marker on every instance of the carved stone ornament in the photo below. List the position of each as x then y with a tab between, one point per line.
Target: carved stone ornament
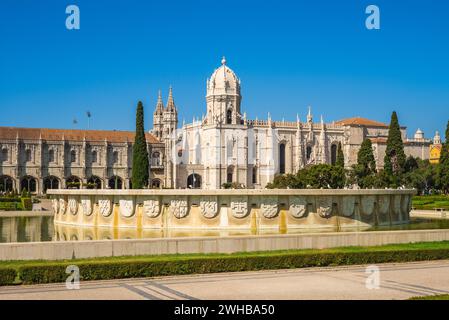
126	208
397	205
384	204
179	207
348	206
298	206
209	207
367	205
62	206
269	207
73	206
151	208
239	206
324	206
86	204
105	207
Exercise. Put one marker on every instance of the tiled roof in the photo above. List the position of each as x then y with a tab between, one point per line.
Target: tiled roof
357	121
11	133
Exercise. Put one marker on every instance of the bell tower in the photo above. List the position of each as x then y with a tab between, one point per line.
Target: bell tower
223	96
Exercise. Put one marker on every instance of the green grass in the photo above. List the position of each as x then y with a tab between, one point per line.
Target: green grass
437	297
173	257
35	272
431	202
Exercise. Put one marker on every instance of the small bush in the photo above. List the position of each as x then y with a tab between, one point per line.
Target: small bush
7	276
27	204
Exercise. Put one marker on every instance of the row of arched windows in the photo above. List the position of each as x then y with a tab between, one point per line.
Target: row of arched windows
30	183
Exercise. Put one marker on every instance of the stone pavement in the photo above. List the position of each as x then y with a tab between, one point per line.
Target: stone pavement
397	281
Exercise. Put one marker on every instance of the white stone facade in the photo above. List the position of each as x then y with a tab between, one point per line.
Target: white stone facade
226	147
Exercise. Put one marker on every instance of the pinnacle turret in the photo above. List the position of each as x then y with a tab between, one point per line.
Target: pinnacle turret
171	107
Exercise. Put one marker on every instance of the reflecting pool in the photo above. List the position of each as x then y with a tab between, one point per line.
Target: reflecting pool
43	228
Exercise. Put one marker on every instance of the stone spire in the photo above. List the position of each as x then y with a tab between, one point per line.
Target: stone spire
171	102
159	105
309	116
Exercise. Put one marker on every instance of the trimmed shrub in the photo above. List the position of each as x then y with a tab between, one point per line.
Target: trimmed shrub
55	272
7	276
27	204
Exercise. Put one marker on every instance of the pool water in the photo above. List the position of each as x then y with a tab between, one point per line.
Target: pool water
42	229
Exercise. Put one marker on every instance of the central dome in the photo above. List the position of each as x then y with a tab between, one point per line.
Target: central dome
223	81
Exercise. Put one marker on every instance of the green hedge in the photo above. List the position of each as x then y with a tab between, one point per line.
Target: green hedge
10	206
7	276
53	272
27	204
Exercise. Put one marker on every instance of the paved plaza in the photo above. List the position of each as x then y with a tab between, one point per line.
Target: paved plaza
397	281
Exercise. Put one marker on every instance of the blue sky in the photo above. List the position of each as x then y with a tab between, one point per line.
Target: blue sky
288	54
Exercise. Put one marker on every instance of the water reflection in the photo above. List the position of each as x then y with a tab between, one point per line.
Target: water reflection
26	229
38	229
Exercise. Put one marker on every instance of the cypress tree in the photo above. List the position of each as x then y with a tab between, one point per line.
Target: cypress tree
394	160
443	167
141	165
340	157
365	158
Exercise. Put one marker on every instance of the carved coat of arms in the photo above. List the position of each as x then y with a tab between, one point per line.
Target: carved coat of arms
127	208
73	206
348	206
269	207
298	206
62	206
179	208
324	206
86	204
239	207
105	207
209	207
367	205
151	208
384	204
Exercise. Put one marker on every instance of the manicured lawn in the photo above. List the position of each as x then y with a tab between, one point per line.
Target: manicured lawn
437	297
430	202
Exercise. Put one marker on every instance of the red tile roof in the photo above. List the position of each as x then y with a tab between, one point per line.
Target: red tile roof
11	133
357	121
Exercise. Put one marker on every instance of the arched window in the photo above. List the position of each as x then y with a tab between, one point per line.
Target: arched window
156	184
28	183
282	158
6	184
94	182
73	182
115	182
73	156
115	157
230	174
94	156
4	155
334	154
51	183
229	117
156	159
254	175
51	156
194	181
308	152
28	155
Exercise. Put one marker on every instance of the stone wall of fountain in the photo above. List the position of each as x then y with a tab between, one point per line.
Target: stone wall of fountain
251	210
